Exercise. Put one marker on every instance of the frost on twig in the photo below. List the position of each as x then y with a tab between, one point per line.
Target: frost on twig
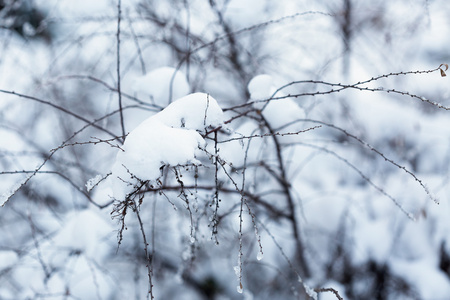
93	182
5	197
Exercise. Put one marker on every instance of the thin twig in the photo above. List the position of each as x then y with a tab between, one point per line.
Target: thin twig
138	47
338	87
248	29
147	256
269	134
119	15
362	175
60	108
113	89
331	290
97	141
378	152
290	201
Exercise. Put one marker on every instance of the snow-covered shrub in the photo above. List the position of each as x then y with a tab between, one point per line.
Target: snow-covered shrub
225	150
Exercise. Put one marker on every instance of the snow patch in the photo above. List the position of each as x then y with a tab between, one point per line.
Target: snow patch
260	255
277	112
91	183
171	137
162	85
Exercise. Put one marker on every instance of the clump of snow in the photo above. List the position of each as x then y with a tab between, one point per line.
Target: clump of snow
196	111
310	292
261	87
162	85
278	112
171	137
335	286
91	183
260	255
237	271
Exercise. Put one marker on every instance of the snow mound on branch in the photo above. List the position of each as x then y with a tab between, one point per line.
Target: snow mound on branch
277	112
162	85
196	111
261	87
171	137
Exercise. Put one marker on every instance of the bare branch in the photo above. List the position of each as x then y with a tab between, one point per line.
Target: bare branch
119	92
60	108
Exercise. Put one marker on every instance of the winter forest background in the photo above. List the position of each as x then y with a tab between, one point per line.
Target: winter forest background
309	160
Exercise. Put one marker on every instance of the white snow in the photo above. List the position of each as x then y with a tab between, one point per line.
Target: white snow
261	87
237	270
373	240
278	112
197	111
171	137
310	292
331	296
91	183
260	255
4	197
428	280
162	85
